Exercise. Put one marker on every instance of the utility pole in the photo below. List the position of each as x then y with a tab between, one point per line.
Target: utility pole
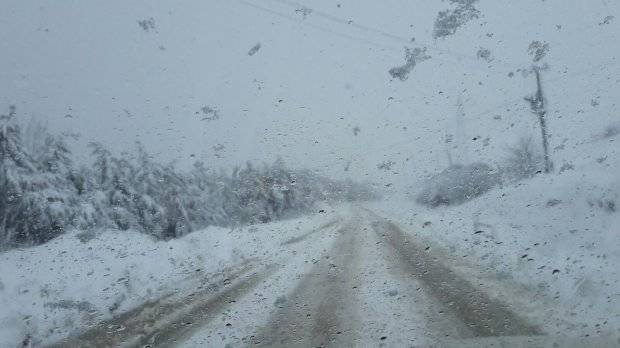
448	143
537	104
460	133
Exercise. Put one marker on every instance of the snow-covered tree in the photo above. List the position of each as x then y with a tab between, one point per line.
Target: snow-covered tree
147	182
15	165
43	193
111	193
33	207
523	161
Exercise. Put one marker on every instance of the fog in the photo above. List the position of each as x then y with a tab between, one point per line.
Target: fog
316	92
419	173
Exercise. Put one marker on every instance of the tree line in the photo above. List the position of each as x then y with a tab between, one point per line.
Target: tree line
44	193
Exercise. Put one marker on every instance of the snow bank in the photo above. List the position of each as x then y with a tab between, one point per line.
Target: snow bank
50	291
558	234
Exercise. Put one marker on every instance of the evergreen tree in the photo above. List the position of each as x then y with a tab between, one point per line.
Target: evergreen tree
42	193
147	182
174	198
120	194
14	166
31	211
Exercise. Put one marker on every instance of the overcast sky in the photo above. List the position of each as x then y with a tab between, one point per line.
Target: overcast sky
89	67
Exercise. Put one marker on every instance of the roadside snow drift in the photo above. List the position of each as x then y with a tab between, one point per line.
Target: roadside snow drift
60	288
559	234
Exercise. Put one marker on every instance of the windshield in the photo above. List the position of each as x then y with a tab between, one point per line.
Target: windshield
309	173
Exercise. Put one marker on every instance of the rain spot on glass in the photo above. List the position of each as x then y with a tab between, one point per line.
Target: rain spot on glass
254	49
147	24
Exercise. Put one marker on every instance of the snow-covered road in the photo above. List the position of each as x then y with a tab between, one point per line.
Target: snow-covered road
356	280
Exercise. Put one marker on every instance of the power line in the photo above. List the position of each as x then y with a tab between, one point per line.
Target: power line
362	27
388	35
399	39
346	22
288	17
320	28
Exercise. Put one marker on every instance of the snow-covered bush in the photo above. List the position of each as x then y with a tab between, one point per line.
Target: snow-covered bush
458	184
271	192
522	161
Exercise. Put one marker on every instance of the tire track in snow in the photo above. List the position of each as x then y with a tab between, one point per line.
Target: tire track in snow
203	310
166	320
319	312
310	233
481	315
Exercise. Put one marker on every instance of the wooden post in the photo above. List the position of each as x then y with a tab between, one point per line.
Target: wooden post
537	104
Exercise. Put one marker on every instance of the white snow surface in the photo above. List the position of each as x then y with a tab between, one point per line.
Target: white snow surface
554	234
53	290
557	234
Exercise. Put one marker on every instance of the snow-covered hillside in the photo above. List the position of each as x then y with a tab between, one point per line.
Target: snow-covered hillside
559	234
